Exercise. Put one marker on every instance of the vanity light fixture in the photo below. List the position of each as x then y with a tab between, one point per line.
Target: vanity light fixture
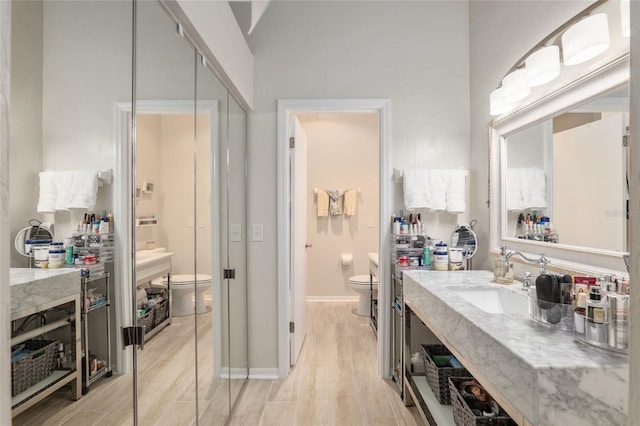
625	18
586	39
543	65
515	86
497	103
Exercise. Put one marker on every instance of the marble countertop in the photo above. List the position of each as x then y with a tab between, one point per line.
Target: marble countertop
34	287
547	375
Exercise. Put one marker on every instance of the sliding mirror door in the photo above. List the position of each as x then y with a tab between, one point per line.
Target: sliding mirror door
235	236
165	220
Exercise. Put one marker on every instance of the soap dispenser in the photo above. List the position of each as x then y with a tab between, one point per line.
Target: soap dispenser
502	269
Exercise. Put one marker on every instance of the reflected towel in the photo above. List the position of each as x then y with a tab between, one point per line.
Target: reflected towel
455	194
513	195
350	202
415	185
48	193
534	188
322	203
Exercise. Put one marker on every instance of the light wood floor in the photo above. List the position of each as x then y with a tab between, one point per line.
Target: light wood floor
334	383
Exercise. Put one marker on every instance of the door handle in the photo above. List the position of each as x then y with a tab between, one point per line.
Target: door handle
307	245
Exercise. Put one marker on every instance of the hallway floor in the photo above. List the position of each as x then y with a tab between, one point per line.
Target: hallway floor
334	383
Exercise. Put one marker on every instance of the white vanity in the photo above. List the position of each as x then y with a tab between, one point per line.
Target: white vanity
152	264
540	375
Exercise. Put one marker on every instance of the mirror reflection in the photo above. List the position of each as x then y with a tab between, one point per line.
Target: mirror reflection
566	176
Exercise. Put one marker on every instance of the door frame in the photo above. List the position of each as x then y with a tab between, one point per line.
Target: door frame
123	200
286	109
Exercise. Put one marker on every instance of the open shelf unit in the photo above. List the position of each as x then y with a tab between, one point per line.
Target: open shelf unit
105	305
67	324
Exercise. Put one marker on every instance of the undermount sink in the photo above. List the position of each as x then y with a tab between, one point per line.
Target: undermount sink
495	300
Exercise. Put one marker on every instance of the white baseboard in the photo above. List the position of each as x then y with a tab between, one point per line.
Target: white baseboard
332	298
263	373
254	373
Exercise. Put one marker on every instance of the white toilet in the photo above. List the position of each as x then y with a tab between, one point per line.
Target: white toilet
182	291
360	284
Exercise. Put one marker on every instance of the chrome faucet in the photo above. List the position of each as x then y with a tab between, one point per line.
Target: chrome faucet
526	280
542	262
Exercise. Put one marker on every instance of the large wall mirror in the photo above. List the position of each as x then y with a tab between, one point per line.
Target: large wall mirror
558	155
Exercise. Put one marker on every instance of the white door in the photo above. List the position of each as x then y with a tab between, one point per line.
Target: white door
299	244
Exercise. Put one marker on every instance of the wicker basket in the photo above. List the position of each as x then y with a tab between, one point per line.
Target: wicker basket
155	316
162	313
462	414
146	320
34	367
437	376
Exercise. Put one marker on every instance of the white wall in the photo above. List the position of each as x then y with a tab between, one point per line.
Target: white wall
414	53
500	33
26	118
218	28
342	153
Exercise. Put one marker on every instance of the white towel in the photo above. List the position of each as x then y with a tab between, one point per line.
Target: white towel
322	203
350	202
415	184
63	189
455	193
534	188
83	189
438	180
48	193
513	191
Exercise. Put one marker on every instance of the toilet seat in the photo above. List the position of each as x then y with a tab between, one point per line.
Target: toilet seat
182	292
362	280
183	280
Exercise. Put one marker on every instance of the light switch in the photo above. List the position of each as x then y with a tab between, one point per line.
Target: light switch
371	223
201	222
257	232
190	222
236	232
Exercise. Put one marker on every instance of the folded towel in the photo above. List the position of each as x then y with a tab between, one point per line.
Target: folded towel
513	190
322	203
455	193
83	190
415	185
48	194
335	201
438	180
534	188
350	202
63	189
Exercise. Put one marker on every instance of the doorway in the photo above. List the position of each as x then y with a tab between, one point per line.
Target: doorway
289	305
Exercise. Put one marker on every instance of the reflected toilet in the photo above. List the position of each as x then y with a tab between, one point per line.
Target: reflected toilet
182	288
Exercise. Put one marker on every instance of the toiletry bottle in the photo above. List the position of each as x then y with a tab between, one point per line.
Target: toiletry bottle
622	322
426	256
441	257
502	270
580	313
595	306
